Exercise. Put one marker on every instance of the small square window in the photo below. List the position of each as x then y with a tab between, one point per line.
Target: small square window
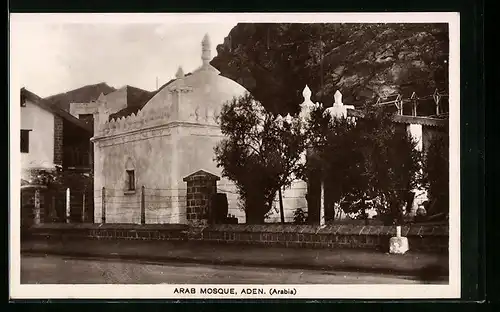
131	180
87	118
25	141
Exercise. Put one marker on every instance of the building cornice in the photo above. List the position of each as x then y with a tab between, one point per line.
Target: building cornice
147	132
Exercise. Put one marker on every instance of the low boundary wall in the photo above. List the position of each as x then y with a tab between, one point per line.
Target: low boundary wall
421	237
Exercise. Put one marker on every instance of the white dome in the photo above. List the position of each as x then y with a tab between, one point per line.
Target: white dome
203	92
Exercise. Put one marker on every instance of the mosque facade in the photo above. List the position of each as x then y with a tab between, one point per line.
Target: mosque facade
142	159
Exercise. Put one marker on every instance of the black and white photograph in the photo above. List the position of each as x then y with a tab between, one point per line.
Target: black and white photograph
235	156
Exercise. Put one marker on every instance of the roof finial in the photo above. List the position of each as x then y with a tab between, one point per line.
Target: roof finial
180	73
338	98
205	50
306	93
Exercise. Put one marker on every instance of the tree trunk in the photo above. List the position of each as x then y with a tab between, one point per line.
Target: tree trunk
255	211
282	212
254	217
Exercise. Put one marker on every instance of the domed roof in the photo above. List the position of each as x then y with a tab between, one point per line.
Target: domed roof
201	93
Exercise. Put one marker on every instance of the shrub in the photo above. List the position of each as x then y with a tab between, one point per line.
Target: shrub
299	216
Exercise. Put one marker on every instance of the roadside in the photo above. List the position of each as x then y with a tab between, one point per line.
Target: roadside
424	266
53	269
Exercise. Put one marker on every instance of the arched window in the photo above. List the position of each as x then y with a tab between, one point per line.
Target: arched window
130	170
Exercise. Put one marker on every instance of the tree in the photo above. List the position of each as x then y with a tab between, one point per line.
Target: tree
370	160
275	60
436	174
261	153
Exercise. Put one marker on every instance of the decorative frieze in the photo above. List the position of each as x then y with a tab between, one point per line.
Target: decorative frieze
151	118
156	131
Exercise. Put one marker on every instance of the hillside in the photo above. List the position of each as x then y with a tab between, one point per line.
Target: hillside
81	95
364	61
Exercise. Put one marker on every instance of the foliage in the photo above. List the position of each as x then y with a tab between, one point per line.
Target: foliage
275	61
299	216
260	153
50	178
436	173
56	179
368	163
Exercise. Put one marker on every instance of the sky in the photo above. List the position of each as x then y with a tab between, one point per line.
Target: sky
54	53
58	57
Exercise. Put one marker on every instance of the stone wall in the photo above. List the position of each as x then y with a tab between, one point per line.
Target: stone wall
108	231
421	237
161	157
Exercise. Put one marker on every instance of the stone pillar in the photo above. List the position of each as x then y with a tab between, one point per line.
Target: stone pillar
58	140
201	185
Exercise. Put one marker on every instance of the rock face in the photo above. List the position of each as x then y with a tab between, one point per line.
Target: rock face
363	61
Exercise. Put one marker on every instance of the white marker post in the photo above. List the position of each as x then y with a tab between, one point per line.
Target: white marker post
68	208
398	244
322	205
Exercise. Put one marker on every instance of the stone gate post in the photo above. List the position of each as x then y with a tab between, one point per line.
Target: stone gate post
201	185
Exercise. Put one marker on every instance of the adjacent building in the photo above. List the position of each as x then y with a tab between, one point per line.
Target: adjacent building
52	137
52	140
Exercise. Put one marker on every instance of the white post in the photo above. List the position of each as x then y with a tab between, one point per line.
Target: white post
68	208
83	207
322	205
398	244
37	207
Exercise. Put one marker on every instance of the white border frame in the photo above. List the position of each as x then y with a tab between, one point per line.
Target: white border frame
61	291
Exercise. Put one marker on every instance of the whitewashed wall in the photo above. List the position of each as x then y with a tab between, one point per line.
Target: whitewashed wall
41	138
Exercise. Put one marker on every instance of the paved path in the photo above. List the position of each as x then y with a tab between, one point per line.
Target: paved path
65	270
427	266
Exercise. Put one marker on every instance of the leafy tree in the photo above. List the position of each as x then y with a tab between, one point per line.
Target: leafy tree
436	174
261	153
371	160
275	60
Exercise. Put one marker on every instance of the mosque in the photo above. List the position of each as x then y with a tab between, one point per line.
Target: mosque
159	147
156	164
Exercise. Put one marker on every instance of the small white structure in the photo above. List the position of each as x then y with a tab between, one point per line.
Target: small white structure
338	109
398	244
